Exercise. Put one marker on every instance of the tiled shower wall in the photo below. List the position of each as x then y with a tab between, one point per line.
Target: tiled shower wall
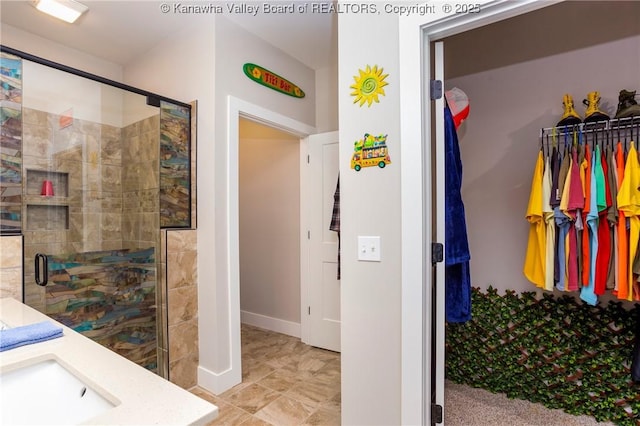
140	184
89	155
11	266
180	264
117	158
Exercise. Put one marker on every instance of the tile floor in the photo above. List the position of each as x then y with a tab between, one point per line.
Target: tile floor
284	382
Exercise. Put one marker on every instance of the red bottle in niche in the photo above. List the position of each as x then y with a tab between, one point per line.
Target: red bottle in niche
47	188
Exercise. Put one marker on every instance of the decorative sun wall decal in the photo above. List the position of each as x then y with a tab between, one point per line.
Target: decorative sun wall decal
369	84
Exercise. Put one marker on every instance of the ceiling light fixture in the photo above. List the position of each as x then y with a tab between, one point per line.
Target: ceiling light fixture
66	10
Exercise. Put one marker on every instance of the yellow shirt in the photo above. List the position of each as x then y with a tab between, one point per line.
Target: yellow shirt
629	203
535	258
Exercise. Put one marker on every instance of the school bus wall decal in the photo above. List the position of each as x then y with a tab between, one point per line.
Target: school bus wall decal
370	151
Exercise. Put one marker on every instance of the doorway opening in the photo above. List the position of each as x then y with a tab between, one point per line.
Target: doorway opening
267	244
514	131
237	110
269	227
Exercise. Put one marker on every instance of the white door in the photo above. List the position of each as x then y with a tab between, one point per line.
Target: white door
320	286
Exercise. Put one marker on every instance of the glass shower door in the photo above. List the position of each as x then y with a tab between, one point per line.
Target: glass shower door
90	213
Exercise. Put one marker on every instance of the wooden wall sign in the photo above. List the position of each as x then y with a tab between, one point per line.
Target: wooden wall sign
272	80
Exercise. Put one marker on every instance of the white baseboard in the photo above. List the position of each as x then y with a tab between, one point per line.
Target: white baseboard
218	383
269	323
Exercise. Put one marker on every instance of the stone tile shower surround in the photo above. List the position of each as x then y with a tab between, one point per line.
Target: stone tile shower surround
105	204
106	183
140	183
104	165
11	266
182	306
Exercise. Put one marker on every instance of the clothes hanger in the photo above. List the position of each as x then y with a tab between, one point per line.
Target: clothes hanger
580	142
548	147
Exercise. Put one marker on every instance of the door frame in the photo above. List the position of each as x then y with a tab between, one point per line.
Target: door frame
236	109
416	33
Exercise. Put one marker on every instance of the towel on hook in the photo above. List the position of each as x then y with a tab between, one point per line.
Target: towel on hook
27	334
457	275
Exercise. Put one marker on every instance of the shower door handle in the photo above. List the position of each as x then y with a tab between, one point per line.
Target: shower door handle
42	278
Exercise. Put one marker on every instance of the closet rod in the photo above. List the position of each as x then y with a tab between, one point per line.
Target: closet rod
616	124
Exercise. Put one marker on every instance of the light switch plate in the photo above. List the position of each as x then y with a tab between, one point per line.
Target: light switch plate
369	249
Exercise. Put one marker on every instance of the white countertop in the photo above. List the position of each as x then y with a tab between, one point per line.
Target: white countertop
141	397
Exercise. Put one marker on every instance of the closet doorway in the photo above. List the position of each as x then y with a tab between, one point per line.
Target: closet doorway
515	72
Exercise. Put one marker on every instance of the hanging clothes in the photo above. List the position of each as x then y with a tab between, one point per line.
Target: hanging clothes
554	202
629	204
584	211
604	243
563	221
621	231
575	202
550	227
587	292
335	220
535	258
585	175
457	255
612	219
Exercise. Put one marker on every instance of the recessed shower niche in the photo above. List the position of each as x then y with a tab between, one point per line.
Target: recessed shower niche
47	200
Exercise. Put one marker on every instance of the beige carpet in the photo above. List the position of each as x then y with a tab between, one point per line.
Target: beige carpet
466	406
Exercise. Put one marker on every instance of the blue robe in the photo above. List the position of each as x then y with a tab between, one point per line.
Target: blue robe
457	275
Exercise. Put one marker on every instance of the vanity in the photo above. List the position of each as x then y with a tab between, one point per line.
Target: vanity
73	380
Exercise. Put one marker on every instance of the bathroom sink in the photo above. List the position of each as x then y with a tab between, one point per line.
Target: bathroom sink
44	392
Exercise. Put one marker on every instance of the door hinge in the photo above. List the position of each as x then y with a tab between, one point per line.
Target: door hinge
308	235
308	159
308	310
437	253
436	89
436	414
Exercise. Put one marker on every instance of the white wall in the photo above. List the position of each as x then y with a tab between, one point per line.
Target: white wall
327	98
269	205
500	141
38	46
234	47
370	205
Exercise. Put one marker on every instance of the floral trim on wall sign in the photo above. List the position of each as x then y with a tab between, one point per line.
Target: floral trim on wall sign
370	151
368	85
